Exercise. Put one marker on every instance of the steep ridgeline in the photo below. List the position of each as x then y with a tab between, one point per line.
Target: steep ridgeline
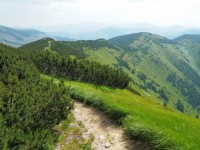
18	37
77	48
158	67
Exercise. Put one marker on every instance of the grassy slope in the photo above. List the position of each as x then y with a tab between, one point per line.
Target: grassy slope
104	55
155	56
143	118
191	50
155	65
149	54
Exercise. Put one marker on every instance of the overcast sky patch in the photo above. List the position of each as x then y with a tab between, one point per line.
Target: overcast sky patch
28	13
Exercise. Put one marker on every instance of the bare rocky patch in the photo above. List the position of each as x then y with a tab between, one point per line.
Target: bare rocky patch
106	135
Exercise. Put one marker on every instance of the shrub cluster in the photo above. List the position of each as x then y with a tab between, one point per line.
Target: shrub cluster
29	107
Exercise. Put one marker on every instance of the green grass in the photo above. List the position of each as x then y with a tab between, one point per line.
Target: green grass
142	119
144	53
104	55
155	57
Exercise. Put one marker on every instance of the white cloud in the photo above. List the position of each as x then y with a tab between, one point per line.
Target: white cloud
45	12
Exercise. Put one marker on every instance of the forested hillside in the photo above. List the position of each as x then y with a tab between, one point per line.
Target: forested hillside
31	107
70	68
159	70
157	66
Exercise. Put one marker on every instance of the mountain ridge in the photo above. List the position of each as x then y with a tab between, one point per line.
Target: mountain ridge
157	65
160	73
92	30
18	37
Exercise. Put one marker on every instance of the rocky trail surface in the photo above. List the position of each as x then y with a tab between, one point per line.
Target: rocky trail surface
106	135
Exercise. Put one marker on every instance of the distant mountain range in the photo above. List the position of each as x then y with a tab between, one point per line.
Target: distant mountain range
92	30
18	37
86	31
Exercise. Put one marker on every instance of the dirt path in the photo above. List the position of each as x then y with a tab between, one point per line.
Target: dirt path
107	136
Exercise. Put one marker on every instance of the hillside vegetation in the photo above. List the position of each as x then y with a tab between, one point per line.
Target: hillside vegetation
161	68
191	44
164	66
29	107
141	118
51	63
162	77
75	48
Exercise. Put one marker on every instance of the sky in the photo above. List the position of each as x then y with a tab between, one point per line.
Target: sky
30	13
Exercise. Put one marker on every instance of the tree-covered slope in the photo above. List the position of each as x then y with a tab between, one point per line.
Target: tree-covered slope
76	48
158	67
51	63
159	70
29	107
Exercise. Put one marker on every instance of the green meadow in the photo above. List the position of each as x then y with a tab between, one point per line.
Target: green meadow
141	118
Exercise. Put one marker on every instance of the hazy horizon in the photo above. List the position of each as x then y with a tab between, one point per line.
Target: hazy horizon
38	13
